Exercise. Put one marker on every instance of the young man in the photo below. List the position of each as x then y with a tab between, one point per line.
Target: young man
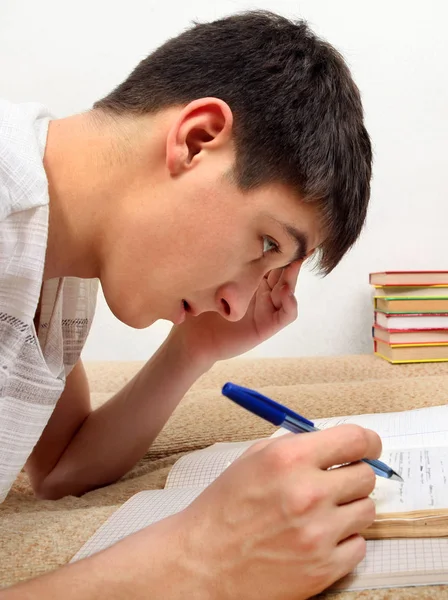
193	192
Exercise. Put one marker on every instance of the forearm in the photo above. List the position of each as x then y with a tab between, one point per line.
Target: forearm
148	564
116	435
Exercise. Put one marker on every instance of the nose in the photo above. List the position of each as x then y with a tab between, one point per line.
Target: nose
233	299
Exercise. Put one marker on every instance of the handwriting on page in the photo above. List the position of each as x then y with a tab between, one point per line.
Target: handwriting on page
418	428
425	474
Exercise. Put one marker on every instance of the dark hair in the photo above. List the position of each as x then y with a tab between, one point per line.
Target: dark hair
298	117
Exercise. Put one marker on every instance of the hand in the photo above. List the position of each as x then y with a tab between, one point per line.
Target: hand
277	524
212	337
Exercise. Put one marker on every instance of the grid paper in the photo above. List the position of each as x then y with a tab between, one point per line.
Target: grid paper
408	555
388	563
399	563
200	468
138	512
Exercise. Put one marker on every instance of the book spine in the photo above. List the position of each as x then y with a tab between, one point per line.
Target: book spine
415	360
424	298
408	285
411	344
410	314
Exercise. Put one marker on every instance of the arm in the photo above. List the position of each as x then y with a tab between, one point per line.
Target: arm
138	567
81	449
278	522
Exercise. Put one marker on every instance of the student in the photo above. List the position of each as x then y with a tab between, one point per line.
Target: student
193	192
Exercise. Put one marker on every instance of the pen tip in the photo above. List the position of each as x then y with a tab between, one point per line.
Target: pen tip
396	477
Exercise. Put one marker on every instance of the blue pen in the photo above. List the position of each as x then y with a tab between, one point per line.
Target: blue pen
280	415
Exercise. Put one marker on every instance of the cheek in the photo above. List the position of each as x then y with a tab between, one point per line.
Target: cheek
188	250
207	264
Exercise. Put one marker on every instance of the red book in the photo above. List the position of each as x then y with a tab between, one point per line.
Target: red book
409	278
411	354
398	337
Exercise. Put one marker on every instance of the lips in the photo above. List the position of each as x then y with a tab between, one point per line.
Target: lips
180	315
189	308
185	308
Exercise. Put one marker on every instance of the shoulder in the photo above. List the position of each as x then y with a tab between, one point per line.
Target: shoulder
23	134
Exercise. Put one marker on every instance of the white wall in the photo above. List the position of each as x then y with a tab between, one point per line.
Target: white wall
66	55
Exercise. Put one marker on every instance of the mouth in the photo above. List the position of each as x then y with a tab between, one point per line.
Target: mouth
189	309
184	309
179	315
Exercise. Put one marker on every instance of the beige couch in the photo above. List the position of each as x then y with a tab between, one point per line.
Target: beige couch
37	536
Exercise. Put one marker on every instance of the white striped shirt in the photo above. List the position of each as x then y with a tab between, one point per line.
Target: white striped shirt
33	364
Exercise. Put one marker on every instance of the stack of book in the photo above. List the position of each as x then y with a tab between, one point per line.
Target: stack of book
411	316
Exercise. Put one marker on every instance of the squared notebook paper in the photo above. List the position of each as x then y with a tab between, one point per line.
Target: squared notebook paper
414	514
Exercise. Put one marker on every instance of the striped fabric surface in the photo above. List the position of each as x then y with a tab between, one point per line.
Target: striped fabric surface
33	363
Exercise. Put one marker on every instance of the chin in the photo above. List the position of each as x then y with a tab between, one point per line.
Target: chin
129	314
136	321
139	322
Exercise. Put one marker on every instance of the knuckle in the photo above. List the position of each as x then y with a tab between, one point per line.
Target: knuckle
290	451
359	440
276	457
379	446
367	478
302	449
359	549
369	510
254	448
303	500
321	576
314	538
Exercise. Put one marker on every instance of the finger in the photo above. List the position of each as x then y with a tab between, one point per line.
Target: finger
291	274
355	517
274	277
288	311
278	295
347	444
347	556
351	482
336	445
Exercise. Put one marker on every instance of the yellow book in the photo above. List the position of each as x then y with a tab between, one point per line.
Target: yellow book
411	353
411	305
422	292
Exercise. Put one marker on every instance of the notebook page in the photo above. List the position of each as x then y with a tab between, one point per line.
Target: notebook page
200	468
422	427
138	512
425	474
399	563
388	563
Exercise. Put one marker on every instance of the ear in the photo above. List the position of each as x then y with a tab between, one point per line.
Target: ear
203	125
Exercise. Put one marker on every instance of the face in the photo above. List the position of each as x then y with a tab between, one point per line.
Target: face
207	251
201	244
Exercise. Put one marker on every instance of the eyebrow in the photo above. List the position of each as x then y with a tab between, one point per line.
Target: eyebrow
300	239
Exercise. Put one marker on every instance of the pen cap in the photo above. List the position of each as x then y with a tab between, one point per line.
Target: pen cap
250	401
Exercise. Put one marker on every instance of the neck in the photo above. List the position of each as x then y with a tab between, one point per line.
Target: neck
87	168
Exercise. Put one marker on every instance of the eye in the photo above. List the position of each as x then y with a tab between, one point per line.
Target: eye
269	245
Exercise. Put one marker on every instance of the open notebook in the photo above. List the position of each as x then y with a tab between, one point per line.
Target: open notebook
415	444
